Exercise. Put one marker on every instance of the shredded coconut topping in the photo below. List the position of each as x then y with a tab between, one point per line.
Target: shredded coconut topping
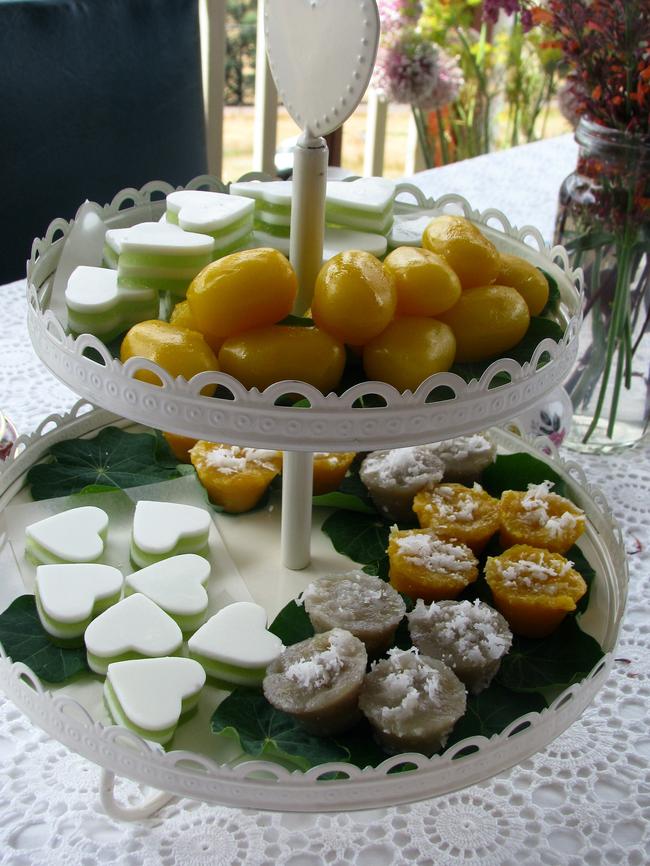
462	447
534	575
434	554
230	459
463	510
321	668
469	630
404	465
407	682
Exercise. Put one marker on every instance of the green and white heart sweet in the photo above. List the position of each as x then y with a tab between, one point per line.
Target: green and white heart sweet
228	219
177	585
133	628
157	256
150	696
70	596
163	529
365	204
272	203
234	645
75	535
98	305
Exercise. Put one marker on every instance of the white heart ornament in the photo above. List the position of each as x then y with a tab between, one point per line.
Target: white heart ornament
68	593
237	635
177	586
321	54
161	528
75	535
134	625
152	694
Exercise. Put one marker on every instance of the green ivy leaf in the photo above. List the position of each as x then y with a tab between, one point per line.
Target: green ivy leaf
297	321
25	640
580	563
492	710
516	472
361	537
352	495
554	297
265	732
292	624
113	458
361	746
553	663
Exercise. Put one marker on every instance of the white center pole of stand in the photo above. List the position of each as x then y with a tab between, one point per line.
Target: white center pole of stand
297	468
306	254
307	215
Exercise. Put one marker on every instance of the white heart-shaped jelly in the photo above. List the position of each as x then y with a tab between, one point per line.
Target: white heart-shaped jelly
271	191
134	624
321	53
370	194
69	592
159	526
74	535
95	290
200	211
158	237
175	584
151	691
237	635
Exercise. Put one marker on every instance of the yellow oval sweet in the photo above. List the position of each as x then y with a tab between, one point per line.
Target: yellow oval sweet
241	291
424	282
182	315
464	247
408	351
354	297
528	280
265	355
487	321
179	351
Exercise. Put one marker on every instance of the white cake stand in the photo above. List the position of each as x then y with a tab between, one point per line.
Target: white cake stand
264	785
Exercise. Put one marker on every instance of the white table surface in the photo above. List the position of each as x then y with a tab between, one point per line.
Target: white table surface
585	799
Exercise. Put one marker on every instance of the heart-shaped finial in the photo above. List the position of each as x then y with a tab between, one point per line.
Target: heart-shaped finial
321	54
234	645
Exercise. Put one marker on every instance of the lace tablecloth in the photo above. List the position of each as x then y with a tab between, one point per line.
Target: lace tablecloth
585	799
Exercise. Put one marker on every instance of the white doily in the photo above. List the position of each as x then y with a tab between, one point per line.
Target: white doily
583	800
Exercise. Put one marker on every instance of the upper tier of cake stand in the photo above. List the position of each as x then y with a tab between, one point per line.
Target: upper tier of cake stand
332	422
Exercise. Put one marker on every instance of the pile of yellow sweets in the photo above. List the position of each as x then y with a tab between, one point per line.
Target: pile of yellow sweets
455	299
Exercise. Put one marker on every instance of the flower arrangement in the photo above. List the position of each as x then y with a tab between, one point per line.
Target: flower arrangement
459	73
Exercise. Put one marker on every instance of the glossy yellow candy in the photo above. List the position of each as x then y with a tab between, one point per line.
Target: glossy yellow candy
528	280
465	249
354	297
487	321
182	315
179	351
241	291
266	355
425	283
409	350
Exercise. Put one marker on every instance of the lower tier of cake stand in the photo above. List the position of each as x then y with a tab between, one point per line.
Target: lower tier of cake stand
201	768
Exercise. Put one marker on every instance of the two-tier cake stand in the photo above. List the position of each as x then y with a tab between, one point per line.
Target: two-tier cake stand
329	423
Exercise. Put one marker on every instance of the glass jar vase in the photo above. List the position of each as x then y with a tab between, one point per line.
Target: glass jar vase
604	222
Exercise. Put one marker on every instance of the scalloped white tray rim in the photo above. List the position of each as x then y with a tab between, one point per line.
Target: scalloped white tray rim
330	423
264	785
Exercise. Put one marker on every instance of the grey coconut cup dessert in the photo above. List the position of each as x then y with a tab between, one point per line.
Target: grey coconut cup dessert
412	702
394	477
366	606
470	637
465	457
317	681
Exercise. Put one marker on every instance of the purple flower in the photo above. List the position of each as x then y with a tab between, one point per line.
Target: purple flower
406	68
449	83
395	14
